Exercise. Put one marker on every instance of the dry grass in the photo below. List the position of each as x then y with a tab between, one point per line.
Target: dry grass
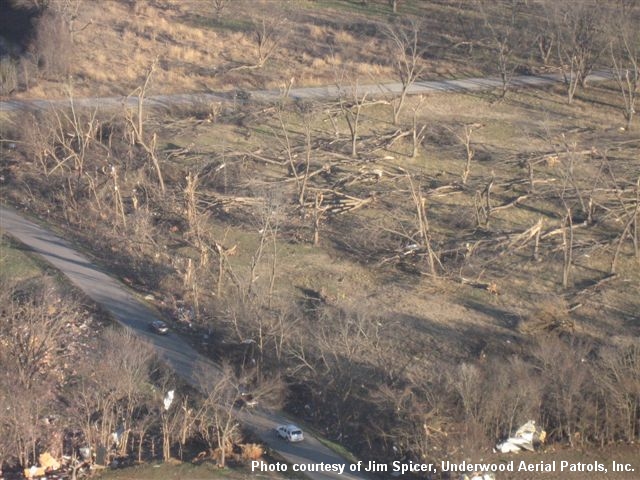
198	51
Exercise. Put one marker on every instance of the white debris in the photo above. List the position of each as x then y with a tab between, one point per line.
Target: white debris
527	437
168	399
117	435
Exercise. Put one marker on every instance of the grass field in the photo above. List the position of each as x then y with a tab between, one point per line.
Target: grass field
15	264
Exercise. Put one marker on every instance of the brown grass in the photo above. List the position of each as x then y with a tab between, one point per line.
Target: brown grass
197	50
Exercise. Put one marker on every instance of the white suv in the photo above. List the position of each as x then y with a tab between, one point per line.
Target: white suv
290	433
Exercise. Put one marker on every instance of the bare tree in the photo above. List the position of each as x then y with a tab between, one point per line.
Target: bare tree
545	34
32	322
268	34
217	422
630	229
566	377
624	48
567	248
342	344
74	135
406	53
579	40
53	46
621	379
137	125
109	396
465	138
126	354
167	402
69	11
301	178
502	37
219	6
351	104
417	132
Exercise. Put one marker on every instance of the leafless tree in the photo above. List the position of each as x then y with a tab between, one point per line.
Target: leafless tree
319	212
167	401
413	417
301	177
217	422
465	138
624	48
567	248
579	40
567	376
468	381
545	33
52	47
621	380
406	53
630	230
351	103
417	132
32	322
74	136
137	125
337	357
502	34
268	34
109	394
126	354
8	76
219	6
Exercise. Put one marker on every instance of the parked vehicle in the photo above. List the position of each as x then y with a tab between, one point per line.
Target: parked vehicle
159	327
290	433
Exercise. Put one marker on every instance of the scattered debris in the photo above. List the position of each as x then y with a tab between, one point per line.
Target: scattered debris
48	462
527	437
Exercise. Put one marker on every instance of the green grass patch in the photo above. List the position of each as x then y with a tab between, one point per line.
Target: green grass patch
339	449
331	445
15	264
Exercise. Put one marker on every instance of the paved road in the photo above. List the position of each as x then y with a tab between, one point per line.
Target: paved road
133	313
303	93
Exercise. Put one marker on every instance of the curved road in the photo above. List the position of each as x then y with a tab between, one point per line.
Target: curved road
134	314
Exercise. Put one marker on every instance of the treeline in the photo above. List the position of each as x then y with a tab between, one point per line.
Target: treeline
72	386
39	43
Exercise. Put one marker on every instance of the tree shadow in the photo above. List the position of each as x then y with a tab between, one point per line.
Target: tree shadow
17	24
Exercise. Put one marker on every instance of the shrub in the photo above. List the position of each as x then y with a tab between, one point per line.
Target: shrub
8	76
52	46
